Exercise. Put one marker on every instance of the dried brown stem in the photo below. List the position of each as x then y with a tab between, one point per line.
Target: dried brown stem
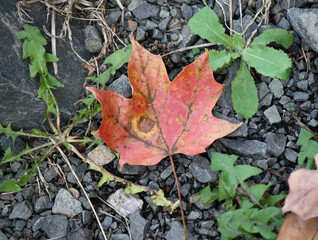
180	199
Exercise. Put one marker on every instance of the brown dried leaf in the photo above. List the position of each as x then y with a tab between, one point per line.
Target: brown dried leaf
295	228
302	198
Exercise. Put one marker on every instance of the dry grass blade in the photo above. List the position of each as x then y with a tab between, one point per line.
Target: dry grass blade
126	220
189	48
81	186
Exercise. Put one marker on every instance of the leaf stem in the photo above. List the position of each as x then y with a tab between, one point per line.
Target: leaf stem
26	152
180	199
25	134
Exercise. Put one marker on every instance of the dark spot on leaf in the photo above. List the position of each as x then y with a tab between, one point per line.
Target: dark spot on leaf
145	124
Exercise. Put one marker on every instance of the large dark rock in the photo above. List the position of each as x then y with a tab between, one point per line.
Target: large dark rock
18	92
305	23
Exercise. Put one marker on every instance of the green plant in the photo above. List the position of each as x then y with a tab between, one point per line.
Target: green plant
251	212
265	60
309	148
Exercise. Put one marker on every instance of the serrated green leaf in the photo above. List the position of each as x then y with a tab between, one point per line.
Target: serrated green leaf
264	215
118	58
50	57
258	190
206	24
279	36
23	34
10	186
271	200
205	196
88	101
132	189
52	82
238	41
266	232
231	175
246	203
219	59
7	155
25	177
308	149
244	92
244	172
9	129
32	32
116	61
37	60
225	163
304	137
227	187
25	49
159	199
220	161
268	61
106	178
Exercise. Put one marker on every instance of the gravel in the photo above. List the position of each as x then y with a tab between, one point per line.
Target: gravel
267	140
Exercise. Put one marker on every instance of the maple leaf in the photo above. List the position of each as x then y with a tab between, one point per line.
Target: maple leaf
163	117
302	198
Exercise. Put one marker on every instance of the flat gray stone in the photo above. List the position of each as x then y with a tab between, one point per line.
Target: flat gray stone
81	234
291	155
101	155
200	168
246	148
262	90
186	11
275	143
262	164
120	236
93	41
42	204
164	23
134	4
66	205
55	226
276	88
301	96
189	37
113	17
22	210
121	86
146	10
138	226
3	236
305	23
194	215
166	173
124	203
272	115
176	232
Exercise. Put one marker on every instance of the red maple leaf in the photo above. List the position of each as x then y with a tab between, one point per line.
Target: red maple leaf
163	117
